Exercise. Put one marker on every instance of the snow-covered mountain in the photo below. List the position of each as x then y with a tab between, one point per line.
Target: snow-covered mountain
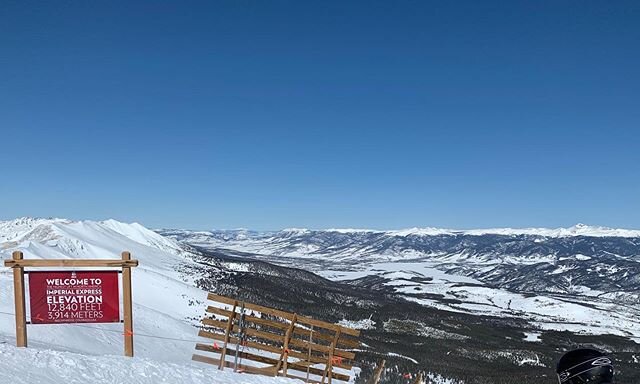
580	278
558	260
161	293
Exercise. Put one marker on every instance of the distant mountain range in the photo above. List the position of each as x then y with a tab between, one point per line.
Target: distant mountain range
584	278
542	260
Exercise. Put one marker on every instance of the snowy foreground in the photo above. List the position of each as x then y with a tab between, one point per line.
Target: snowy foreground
42	366
167	307
161	295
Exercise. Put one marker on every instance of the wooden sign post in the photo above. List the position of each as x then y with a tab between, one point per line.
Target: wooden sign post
18	292
18	263
127	304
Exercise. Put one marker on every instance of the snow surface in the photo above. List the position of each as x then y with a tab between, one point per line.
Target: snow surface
358	324
160	294
45	366
546	312
166	309
533	337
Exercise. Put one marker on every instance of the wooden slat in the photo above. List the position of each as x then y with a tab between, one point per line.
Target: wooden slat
227	333
344	354
329	366
264	335
308	361
272	349
287	315
19	301
347	343
218	311
214	336
218	324
70	263
304	359
269	338
375	379
299	331
284	357
294	366
269	360
321	348
269	311
305	345
244	355
127	305
301	344
205	359
268	323
249	318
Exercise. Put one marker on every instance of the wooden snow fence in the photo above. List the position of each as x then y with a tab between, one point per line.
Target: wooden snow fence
283	343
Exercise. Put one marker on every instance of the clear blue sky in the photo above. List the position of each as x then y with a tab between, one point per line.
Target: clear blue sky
272	114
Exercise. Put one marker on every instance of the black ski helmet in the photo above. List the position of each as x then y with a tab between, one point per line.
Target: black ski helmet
585	365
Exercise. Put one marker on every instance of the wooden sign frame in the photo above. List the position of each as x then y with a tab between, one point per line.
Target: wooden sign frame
18	264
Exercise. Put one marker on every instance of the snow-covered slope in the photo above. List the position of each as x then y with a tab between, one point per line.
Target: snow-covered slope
43	366
166	312
163	297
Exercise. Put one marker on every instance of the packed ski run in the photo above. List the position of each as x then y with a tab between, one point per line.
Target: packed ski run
47	366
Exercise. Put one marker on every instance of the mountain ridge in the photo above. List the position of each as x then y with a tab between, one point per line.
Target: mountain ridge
564	280
579	229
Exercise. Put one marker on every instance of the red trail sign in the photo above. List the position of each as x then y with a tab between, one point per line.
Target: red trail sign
74	297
